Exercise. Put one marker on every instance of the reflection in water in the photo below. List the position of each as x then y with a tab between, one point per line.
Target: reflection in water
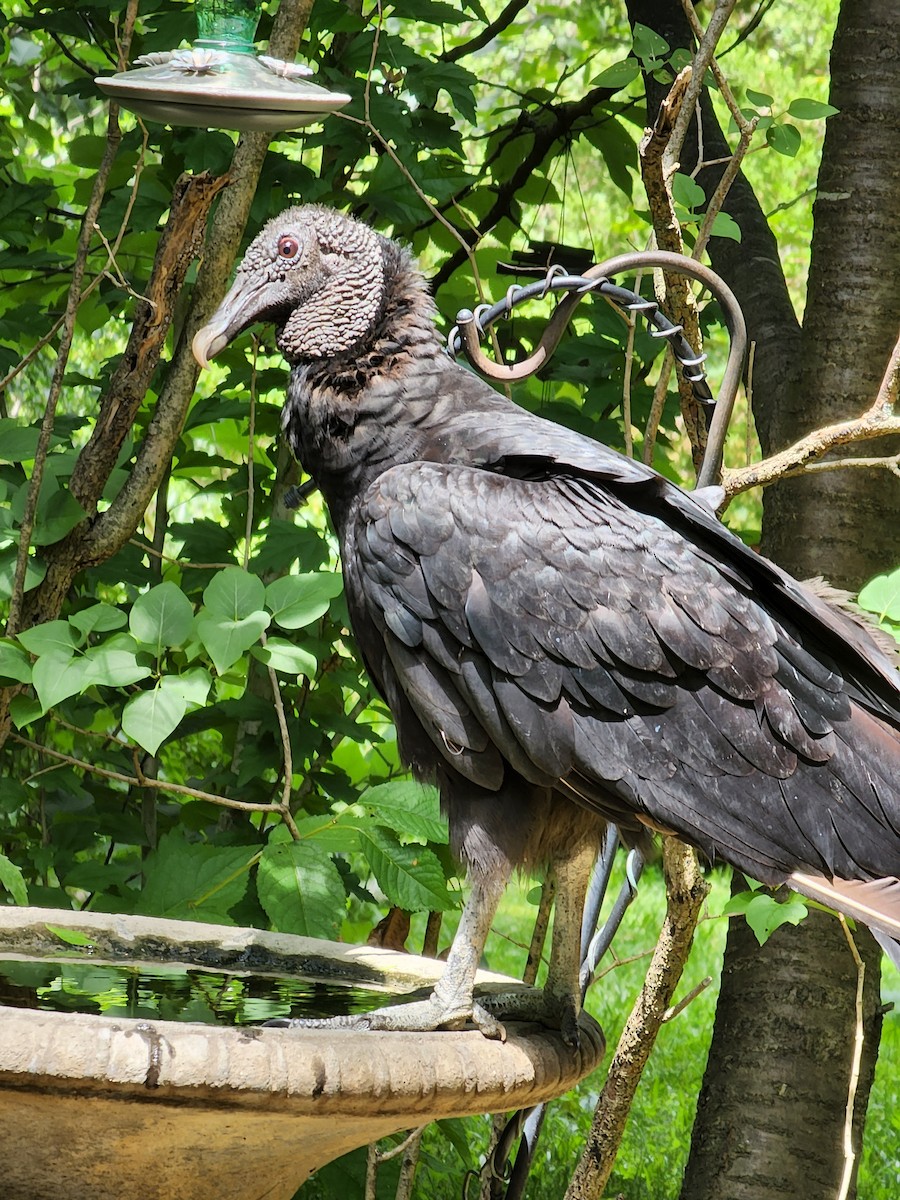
175	993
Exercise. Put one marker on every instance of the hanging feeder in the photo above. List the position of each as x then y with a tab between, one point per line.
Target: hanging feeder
221	83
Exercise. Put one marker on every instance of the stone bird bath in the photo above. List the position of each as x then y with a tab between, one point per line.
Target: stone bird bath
101	1107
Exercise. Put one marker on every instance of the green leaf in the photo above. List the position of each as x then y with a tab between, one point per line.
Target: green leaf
35	571
409	808
226	640
18	442
725	226
881	595
282	655
234	594
687	192
785	139
193	685
56	677
619	75
14	663
162	617
72	937
803	109
648	45
12	879
99	618
335	833
24	710
114	663
56	516
301	889
764	913
51	637
297	600
150	717
619	151
410	876
193	881
760	99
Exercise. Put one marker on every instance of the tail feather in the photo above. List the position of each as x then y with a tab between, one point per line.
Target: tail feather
889	946
875	902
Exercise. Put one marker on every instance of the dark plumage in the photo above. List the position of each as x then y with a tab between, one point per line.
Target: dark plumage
561	634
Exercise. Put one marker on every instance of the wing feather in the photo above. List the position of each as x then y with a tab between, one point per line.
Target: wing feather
549	625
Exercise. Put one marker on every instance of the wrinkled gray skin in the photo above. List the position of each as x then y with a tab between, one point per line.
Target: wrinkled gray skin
563	636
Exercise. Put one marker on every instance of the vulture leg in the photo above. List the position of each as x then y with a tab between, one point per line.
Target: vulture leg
562	991
451	1004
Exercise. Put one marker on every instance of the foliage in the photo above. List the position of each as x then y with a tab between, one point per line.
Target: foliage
881	596
193	733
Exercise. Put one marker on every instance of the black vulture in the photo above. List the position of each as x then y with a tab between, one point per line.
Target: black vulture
564	637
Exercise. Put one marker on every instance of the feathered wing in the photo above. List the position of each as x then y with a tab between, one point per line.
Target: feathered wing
548	623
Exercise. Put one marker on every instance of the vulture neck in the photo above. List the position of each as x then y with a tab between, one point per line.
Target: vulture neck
356	413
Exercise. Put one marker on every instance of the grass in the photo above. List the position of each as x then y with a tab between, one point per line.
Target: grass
654	1151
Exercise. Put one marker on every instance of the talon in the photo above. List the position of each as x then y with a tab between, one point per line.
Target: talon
487	1024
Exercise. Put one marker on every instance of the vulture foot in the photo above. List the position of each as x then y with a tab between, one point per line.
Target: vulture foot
485	1013
419	1016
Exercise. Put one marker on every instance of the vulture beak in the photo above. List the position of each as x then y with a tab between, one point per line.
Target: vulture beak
241	307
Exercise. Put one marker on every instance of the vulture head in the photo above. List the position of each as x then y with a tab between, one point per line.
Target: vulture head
318	276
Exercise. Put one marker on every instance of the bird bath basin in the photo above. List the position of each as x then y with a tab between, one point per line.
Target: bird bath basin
96	1107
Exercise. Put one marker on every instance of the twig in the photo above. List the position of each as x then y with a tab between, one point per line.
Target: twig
31	355
539	933
891	463
686	892
701	61
287	787
179	562
876	422
73	300
383	1156
251	436
140	780
858	1040
409	1164
656	175
718	74
717	199
501	22
671	1013
631	318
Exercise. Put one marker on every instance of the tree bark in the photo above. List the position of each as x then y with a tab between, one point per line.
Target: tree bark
771	1113
850	520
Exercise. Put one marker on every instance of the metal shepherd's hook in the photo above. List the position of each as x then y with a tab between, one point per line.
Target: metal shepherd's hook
471	325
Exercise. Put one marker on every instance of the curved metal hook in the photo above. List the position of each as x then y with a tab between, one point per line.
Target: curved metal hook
465	335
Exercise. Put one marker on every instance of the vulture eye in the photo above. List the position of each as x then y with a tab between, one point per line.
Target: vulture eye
288	246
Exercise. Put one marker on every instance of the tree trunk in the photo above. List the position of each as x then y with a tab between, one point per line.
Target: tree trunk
850	519
770	1119
772	1108
771	1115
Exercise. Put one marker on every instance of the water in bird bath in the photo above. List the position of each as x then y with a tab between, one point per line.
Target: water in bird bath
173	992
165	1108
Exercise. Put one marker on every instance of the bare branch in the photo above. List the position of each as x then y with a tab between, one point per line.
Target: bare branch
487	35
804	454
858	1040
718	74
140	780
98	190
702	59
680	304
686	892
